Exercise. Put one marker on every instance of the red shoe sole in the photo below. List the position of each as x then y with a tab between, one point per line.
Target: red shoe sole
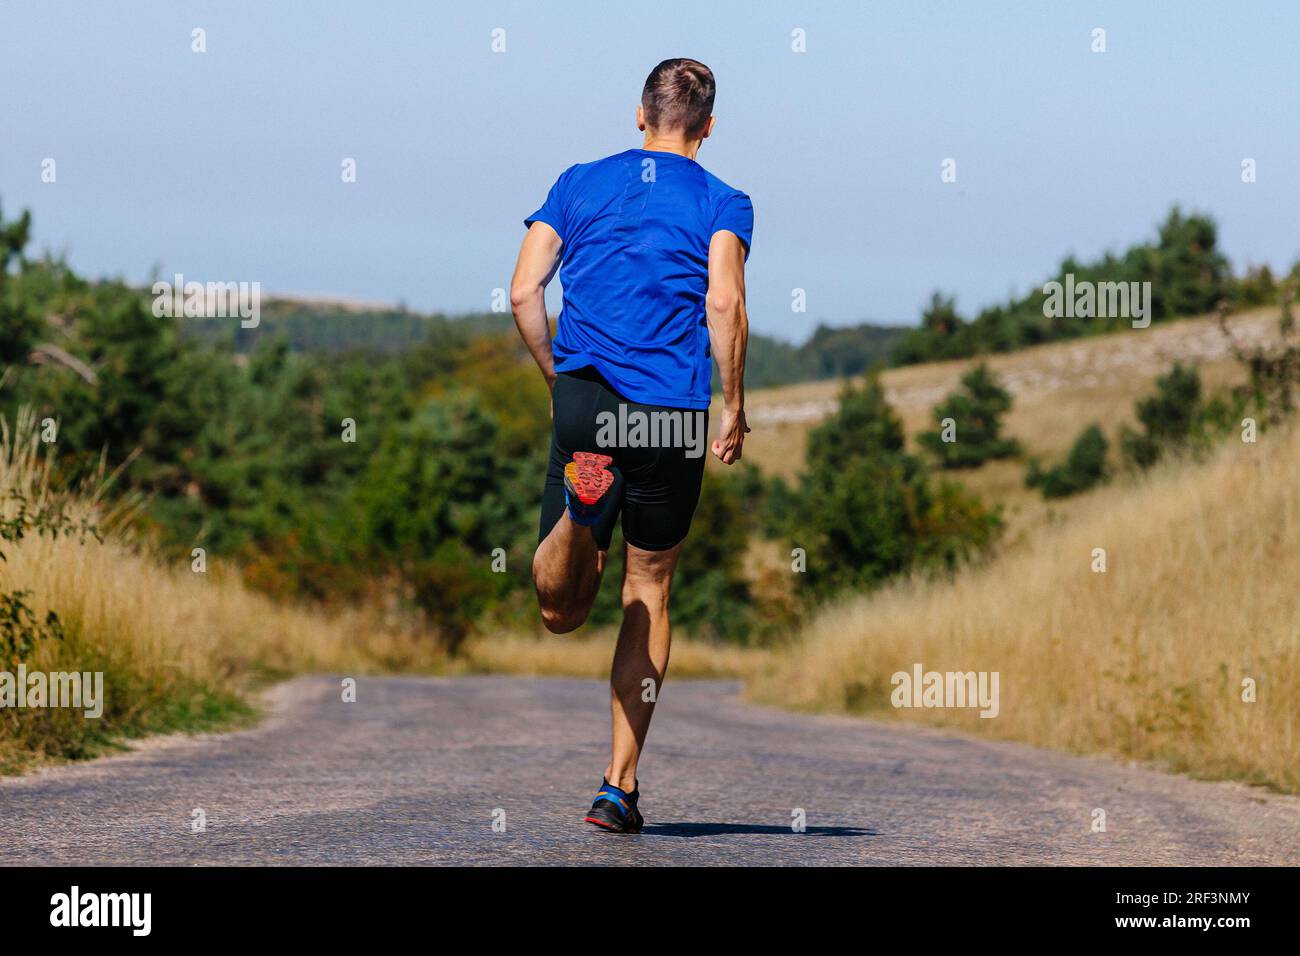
595	459
588	477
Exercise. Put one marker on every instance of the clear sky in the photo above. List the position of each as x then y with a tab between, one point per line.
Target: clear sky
225	165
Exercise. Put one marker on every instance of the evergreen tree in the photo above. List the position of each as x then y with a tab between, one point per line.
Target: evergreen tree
975	411
1168	418
865	509
19	322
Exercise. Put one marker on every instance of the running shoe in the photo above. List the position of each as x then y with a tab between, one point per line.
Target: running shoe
615	809
586	480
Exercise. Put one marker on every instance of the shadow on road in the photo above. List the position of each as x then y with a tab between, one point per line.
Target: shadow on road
724	829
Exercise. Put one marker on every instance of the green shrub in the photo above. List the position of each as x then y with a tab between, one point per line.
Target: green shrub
865	509
437	499
1272	392
1084	467
976	410
1169	418
19	322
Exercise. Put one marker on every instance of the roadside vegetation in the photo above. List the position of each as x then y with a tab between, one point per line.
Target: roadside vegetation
184	650
1145	660
196	509
1155	620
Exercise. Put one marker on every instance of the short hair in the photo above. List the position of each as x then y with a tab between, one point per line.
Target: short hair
678	94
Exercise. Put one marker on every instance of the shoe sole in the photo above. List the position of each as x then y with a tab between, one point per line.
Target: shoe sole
612	829
587	476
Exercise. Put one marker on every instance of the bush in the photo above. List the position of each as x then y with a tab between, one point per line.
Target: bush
19	323
436	501
1169	418
976	411
1273	390
865	509
1083	468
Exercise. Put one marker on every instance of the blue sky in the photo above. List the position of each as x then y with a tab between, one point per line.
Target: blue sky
226	165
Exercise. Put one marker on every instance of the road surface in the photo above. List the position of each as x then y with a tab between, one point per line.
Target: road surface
414	771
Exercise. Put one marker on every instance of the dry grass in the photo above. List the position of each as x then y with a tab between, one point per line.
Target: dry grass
1144	661
177	648
180	650
591	655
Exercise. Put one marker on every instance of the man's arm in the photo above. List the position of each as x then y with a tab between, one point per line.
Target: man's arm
539	257
724	308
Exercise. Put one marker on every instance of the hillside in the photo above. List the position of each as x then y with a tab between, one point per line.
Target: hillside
829	353
1058	388
1146	660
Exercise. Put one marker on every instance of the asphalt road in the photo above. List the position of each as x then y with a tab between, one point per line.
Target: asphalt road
413	771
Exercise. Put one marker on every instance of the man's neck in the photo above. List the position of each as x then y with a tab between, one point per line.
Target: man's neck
672	144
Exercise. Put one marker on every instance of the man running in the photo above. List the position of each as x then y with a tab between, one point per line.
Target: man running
651	250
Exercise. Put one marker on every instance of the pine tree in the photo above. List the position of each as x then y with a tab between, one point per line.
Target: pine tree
975	412
19	323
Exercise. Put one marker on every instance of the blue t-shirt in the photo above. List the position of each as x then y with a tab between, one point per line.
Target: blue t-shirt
635	269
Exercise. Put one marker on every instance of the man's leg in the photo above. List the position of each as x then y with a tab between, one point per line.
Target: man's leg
566	571
642	653
570	557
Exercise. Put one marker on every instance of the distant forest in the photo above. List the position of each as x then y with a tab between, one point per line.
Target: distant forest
1183	265
326	327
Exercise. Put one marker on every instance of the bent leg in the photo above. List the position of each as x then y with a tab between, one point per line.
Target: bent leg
570	558
641	656
566	571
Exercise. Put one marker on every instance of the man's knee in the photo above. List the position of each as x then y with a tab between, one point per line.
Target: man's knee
649	593
648	579
562	620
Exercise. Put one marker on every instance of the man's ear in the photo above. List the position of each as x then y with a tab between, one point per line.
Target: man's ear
708	128
640	118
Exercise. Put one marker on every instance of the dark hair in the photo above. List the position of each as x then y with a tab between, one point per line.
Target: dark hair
678	94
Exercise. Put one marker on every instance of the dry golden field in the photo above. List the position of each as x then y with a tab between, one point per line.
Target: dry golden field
1147	660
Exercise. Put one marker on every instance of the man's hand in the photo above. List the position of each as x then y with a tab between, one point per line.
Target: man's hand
731	436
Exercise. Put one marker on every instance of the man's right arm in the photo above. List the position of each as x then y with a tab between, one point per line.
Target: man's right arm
724	307
539	257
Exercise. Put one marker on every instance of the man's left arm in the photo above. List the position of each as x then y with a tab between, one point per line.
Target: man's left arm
539	258
728	322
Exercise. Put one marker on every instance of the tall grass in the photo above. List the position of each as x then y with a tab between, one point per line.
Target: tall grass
1146	660
178	649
